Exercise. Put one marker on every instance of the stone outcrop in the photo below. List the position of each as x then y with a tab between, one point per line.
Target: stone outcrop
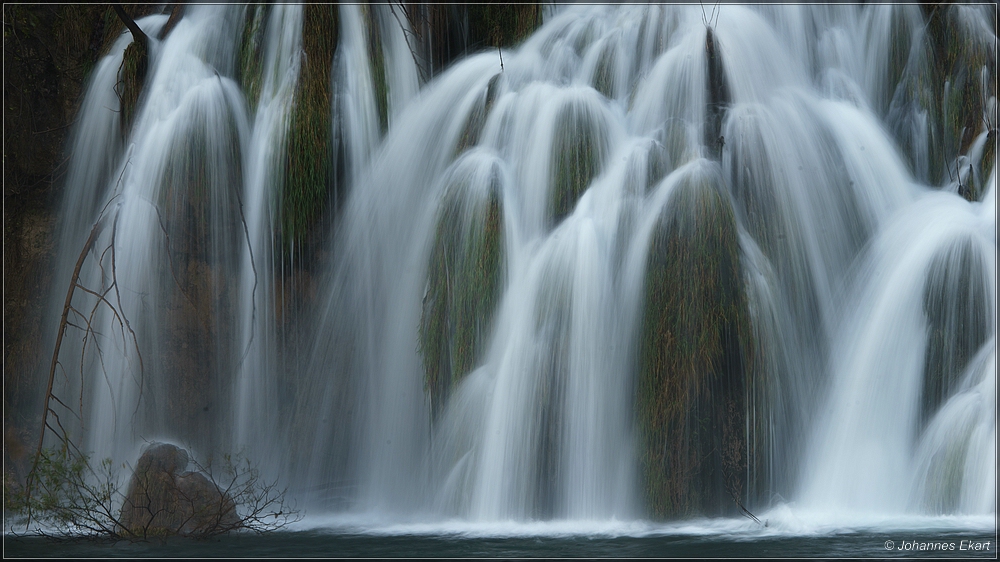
694	356
165	499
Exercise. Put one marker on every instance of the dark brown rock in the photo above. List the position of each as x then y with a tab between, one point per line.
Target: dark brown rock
162	500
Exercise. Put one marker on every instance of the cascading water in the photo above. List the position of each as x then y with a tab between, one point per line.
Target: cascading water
255	412
659	263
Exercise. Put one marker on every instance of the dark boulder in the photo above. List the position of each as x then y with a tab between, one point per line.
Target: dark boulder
164	499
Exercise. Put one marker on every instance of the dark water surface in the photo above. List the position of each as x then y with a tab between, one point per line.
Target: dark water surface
708	539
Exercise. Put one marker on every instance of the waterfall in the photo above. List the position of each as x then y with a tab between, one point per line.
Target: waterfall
257	383
660	261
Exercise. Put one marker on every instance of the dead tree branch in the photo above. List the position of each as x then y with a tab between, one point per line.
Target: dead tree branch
137	33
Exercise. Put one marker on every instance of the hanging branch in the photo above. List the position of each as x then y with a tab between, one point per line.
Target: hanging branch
64	322
137	34
408	33
87	327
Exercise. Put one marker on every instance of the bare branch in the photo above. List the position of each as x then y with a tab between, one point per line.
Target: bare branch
137	33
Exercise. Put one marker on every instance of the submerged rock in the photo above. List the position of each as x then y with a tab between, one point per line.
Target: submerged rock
163	500
694	355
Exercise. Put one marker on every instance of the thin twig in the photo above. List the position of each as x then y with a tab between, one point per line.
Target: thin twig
406	37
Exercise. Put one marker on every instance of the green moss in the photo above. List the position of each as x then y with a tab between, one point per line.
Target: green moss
718	96
310	153
251	55
987	160
695	350
502	25
900	43
585	38
604	74
959	55
579	151
674	137
463	286
646	166
376	58
661	22
917	87
480	113
956	308
131	77
753	189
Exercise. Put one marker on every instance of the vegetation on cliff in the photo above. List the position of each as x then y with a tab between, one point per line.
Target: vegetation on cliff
694	356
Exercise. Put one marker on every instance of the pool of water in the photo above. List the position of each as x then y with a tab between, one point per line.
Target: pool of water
786	535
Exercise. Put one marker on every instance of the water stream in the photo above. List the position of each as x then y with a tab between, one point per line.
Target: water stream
769	194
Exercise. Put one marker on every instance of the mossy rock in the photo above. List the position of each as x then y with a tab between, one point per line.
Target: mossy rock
199	184
718	96
553	326
956	305
480	113
580	149
604	79
131	78
657	26
753	187
900	37
960	53
464	281
585	37
984	158
308	167
678	142
695	350
251	54
910	115
161	500
376	59
935	79
502	25
646	166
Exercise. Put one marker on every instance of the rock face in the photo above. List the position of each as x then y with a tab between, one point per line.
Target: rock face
696	349
163	499
465	277
49	51
580	151
958	319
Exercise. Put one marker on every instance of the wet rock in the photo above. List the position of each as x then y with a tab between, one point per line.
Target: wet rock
480	113
957	311
163	500
696	348
580	151
310	178
718	96
464	281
